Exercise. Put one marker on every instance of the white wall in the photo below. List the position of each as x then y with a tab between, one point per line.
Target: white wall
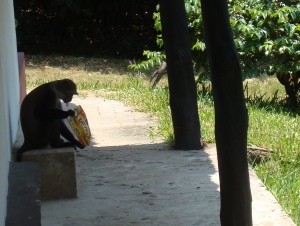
9	96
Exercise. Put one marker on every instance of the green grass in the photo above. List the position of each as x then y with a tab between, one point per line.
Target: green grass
275	127
271	125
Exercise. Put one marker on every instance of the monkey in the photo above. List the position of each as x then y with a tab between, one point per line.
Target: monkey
41	117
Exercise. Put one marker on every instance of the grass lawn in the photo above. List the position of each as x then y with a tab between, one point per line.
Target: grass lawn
271	126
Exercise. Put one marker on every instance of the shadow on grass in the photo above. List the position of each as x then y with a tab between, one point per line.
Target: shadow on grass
103	65
272	103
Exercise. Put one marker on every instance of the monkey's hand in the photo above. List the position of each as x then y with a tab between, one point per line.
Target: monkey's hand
80	145
71	113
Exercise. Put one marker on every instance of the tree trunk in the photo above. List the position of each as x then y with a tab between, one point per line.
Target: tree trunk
183	92
291	85
230	115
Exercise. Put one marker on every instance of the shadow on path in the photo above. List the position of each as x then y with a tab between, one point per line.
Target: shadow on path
143	184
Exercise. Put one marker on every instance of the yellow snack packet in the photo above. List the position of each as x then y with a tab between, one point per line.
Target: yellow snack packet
80	126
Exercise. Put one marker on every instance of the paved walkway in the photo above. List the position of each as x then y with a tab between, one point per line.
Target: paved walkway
124	178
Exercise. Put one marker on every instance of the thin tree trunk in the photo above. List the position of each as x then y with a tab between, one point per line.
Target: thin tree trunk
291	85
230	115
183	93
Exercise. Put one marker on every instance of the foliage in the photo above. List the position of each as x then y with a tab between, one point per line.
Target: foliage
91	27
266	34
196	37
154	59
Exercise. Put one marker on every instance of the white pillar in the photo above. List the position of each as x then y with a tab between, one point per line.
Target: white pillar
9	96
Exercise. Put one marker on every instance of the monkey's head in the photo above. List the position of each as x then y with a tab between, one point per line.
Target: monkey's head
65	90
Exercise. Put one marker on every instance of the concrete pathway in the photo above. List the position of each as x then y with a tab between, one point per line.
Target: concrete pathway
124	178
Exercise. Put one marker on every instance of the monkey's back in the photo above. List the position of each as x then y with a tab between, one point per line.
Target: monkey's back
34	106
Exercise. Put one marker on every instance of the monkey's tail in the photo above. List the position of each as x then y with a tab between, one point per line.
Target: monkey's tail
20	153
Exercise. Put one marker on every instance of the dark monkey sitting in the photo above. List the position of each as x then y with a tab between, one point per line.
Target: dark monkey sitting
41	117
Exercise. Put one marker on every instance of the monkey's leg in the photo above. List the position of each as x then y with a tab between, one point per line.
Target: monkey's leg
55	140
65	132
60	144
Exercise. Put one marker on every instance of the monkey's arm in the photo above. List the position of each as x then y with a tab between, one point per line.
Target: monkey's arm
65	132
49	108
52	113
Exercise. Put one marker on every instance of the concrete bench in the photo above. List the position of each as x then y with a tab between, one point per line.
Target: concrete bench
57	169
23	198
58	172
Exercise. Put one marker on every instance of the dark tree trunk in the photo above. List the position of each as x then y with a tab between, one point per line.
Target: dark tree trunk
231	115
291	85
183	93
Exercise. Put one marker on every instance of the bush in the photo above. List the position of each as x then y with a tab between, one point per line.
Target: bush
266	34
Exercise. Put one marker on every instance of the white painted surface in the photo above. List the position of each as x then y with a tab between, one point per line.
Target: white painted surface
9	96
